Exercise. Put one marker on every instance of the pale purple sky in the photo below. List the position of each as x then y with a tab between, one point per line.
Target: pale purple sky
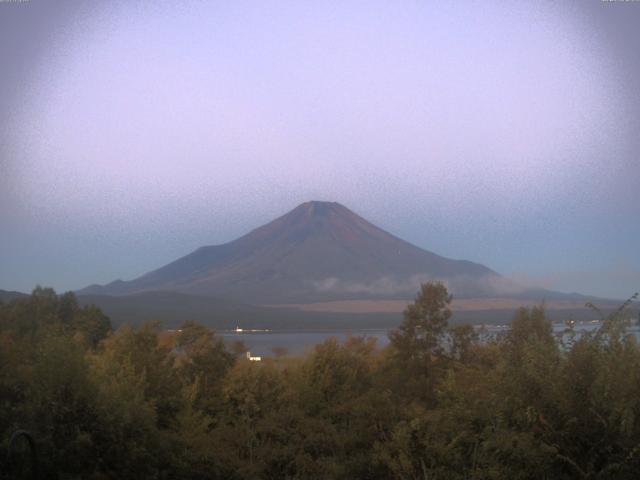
501	132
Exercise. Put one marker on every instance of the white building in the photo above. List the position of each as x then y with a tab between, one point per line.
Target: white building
253	359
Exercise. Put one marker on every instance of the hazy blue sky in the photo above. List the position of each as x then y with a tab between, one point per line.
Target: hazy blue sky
500	132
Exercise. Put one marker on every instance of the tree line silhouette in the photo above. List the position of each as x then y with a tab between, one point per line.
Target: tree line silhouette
436	403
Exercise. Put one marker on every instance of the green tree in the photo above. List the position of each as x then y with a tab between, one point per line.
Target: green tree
418	338
91	325
202	363
140	349
416	346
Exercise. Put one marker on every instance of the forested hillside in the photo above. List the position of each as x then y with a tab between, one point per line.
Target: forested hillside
438	403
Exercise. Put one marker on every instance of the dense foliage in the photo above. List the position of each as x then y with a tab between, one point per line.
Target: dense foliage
437	403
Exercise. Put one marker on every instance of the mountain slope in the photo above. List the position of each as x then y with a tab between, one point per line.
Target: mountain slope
317	252
7	296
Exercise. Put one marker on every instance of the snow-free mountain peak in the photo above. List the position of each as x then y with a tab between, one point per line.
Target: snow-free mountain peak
318	251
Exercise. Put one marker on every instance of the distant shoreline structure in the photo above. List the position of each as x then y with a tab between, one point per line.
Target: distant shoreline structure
247	330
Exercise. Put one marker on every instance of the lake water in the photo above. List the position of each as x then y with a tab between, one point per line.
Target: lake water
298	342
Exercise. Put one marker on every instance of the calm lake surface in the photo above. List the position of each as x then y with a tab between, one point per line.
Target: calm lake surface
298	342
